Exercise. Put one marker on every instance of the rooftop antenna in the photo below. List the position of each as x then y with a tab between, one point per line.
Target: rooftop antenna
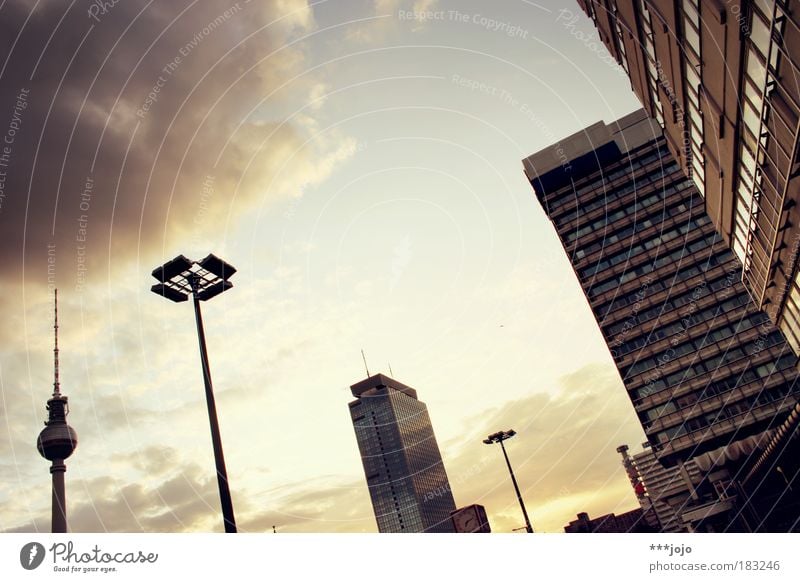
365	362
390	370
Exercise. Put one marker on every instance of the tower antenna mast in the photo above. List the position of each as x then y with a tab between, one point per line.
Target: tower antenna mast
56	383
363	357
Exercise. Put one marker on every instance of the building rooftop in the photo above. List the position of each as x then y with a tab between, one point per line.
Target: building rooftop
379	381
586	150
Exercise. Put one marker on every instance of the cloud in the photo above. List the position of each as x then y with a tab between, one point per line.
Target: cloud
141	127
186	501
386	19
325	505
165	493
182	497
126	134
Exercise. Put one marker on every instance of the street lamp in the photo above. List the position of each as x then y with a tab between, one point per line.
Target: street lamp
499	437
203	280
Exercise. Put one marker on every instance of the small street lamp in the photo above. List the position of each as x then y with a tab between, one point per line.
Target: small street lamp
499	437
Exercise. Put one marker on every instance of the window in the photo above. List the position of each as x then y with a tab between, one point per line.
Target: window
755	68
759	34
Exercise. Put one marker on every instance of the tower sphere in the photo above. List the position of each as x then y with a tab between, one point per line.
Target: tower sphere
57	441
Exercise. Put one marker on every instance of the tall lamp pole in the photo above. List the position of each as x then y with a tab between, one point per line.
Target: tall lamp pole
499	437
203	280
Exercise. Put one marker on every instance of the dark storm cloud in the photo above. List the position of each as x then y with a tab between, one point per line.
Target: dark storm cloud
111	123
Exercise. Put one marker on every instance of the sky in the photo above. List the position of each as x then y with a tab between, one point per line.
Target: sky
359	162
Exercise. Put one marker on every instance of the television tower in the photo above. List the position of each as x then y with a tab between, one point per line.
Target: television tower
58	439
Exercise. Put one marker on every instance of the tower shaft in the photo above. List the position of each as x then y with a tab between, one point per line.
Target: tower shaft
59	517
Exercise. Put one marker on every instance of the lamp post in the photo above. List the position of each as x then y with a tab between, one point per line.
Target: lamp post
499	437
203	280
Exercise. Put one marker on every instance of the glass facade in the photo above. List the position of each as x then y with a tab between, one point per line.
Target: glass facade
753	237
702	365
407	480
720	79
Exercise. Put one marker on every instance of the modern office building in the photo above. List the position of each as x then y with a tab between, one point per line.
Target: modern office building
406	477
720	79
704	368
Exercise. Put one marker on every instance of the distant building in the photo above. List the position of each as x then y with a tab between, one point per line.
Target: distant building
637	482
720	79
666	491
630	522
706	371
406	477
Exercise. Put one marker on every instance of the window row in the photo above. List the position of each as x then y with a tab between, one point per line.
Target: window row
676	255
671	303
743	378
649	243
593	181
730	411
731	354
606	198
702	265
655	215
604	221
762	371
689	320
746	376
652	287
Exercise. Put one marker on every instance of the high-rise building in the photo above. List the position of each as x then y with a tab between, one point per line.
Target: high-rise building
720	79
406	477
704	368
